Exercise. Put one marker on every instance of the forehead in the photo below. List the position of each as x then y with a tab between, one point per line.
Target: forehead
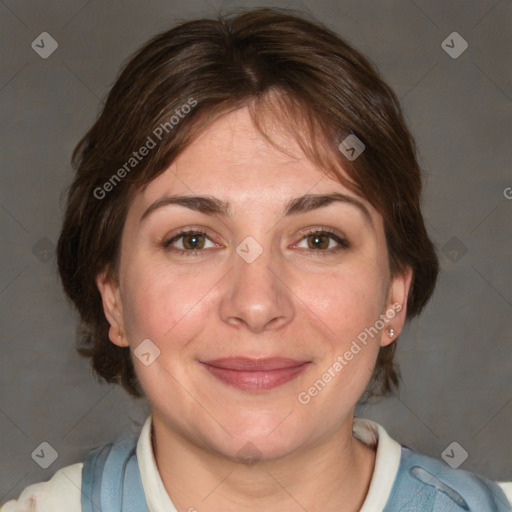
231	160
232	152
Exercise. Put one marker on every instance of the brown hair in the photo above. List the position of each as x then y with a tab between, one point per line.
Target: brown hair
303	74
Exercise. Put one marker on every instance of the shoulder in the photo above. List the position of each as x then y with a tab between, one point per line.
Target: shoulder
61	492
435	484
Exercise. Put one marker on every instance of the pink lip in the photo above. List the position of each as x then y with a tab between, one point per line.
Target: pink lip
255	374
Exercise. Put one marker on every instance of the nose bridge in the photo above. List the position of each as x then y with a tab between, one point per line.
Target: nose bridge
257	296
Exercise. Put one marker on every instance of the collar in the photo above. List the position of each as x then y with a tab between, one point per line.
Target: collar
367	431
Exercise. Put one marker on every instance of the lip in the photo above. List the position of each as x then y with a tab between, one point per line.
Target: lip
255	374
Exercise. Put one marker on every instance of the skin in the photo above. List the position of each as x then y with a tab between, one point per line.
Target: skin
290	301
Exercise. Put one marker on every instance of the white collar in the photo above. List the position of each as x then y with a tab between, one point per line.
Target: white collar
387	461
369	432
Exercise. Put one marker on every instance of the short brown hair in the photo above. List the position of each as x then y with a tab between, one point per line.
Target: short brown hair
275	62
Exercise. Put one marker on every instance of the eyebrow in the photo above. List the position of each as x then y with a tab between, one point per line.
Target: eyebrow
212	206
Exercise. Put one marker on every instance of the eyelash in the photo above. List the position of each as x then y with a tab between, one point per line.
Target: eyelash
343	243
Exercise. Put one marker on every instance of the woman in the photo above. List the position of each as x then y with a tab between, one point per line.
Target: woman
244	243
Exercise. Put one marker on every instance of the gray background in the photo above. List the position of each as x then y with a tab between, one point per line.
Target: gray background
456	360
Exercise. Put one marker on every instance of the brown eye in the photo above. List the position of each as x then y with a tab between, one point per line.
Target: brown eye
320	239
193	242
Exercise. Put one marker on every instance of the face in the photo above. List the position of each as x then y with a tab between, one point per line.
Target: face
309	286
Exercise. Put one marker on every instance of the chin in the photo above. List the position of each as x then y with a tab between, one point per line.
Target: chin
250	450
260	438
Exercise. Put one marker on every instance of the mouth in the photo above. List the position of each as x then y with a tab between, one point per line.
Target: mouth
255	374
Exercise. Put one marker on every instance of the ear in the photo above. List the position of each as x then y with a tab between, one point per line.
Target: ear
396	307
112	307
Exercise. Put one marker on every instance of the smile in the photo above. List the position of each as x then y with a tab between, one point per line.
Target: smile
255	374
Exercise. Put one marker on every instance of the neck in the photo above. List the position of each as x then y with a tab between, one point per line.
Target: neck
334	475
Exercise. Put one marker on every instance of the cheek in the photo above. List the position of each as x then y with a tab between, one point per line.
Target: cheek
348	299
164	306
349	303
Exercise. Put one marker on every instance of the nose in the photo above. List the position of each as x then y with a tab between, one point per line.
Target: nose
257	295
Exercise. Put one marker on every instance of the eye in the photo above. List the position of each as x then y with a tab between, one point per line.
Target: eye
319	239
192	241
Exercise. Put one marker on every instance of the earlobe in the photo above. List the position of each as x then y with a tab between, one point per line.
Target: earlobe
396	310
112	307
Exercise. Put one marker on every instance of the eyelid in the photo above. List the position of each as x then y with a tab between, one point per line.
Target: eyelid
320	229
168	239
